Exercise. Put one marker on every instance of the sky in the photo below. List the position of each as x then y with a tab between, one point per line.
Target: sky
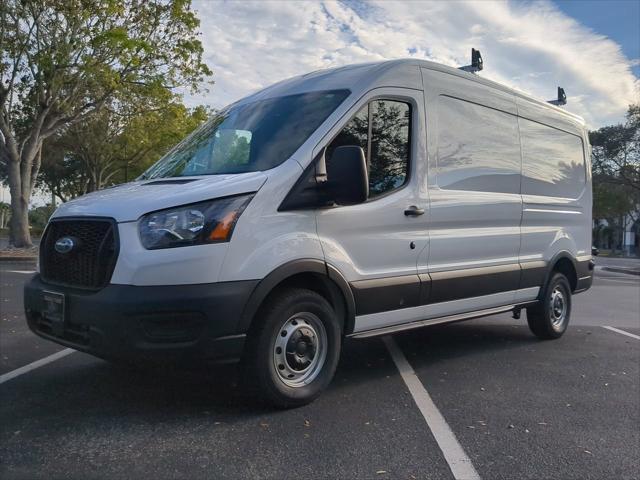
589	47
617	19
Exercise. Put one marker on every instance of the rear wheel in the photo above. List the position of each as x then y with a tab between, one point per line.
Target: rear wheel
294	348
550	317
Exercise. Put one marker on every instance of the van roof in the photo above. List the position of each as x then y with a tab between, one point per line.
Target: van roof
360	78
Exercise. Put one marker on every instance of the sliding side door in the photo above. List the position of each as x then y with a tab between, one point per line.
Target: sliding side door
474	189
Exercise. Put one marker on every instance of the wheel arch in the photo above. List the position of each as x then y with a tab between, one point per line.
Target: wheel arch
565	263
313	274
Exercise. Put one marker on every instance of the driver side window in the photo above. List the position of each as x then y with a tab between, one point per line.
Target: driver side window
382	128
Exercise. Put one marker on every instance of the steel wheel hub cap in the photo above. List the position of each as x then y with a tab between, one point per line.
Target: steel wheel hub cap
300	349
558	307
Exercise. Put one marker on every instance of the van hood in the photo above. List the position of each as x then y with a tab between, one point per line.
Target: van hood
128	202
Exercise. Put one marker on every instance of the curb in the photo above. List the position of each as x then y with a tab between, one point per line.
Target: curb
18	259
628	271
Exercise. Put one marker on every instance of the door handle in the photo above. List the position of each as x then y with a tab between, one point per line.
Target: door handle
413	211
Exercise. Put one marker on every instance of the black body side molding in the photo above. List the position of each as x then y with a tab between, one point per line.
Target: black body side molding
392	293
384	294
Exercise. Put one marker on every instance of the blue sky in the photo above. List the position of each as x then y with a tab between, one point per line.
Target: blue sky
617	19
588	47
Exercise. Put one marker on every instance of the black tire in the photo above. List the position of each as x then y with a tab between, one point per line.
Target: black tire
299	313
549	318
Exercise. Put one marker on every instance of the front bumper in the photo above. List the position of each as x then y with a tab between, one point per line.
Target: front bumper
167	324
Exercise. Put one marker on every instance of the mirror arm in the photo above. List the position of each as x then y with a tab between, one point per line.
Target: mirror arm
323	186
321	167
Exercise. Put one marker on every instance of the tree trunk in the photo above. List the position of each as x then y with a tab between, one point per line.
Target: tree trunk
21	175
19	224
91	186
19	235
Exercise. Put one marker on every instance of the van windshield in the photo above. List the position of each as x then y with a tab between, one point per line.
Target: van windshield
248	138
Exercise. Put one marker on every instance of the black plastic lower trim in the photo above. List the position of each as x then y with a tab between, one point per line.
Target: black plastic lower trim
584	272
156	323
337	287
392	293
384	294
584	284
473	282
533	274
584	268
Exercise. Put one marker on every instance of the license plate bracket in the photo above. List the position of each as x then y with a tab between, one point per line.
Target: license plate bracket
54	311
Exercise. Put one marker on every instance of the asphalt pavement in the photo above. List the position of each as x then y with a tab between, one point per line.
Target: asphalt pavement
518	407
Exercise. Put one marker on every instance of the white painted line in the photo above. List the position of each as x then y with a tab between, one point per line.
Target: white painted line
617	330
459	463
29	272
32	366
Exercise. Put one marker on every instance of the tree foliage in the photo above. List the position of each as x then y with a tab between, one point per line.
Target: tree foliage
61	61
616	174
616	151
110	148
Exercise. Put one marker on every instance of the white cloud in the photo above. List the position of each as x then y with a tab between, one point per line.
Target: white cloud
530	46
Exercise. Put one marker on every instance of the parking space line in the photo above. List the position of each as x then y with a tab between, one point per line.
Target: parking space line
458	461
32	366
617	330
28	272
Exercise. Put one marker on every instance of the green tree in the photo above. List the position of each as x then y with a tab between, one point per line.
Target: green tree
616	150
61	172
61	61
148	137
111	148
39	216
616	175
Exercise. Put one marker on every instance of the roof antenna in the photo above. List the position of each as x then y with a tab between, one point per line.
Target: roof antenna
476	62
562	98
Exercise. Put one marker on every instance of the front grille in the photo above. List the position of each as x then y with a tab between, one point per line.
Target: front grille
90	262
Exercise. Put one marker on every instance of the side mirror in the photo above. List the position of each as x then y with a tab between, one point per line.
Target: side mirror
347	177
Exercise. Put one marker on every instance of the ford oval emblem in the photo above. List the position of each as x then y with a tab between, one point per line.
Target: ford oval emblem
65	245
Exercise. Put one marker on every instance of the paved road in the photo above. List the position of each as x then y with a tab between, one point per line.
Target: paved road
519	407
618	262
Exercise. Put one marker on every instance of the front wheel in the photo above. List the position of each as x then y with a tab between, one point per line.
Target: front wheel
294	348
550	317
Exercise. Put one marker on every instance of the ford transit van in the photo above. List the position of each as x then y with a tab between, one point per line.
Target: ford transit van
352	202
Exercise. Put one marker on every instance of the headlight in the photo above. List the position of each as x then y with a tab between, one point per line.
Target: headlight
195	224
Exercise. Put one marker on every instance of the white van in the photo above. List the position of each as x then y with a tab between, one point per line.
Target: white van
357	201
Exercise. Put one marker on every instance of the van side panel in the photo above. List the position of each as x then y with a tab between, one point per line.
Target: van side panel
474	189
507	197
556	190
